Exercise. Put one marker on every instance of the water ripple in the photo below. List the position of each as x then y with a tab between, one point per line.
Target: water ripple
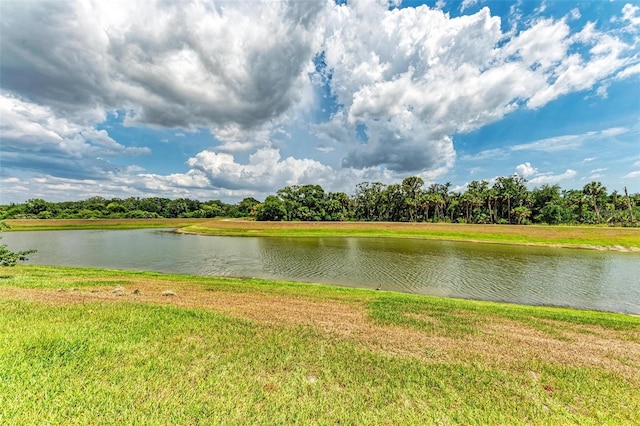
530	275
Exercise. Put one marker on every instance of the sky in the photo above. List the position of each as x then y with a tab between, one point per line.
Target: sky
229	99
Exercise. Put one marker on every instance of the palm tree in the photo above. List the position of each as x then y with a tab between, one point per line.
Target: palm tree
594	190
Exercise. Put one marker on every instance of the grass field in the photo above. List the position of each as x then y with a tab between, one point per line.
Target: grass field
626	239
70	224
564	236
85	346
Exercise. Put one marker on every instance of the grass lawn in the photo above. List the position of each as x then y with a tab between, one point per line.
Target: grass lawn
70	224
565	236
611	238
87	346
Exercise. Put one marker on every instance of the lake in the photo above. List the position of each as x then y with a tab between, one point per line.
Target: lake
585	279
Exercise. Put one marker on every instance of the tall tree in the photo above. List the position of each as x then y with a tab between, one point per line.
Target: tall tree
412	187
512	192
370	201
632	219
594	190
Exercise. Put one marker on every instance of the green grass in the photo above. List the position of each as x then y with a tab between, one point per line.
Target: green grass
565	236
124	361
78	224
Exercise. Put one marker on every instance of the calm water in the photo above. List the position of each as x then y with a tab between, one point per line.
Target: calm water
539	276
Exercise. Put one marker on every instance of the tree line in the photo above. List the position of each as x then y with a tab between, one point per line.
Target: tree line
128	208
505	201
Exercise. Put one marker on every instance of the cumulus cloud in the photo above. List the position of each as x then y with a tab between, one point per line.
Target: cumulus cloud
265	169
415	82
172	64
403	83
526	169
631	14
424	76
33	137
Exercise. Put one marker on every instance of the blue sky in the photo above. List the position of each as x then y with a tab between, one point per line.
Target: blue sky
225	100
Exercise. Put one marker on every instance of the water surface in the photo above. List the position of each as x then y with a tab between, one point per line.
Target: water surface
529	275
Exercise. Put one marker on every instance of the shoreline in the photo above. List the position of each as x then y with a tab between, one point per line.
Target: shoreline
498	234
616	248
618	239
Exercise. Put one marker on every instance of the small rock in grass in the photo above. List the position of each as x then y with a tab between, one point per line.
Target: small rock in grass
60	290
73	289
119	291
168	293
136	291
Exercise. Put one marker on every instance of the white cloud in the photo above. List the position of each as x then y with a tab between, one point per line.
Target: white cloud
191	179
439	76
10	180
33	136
632	175
171	64
602	91
558	143
630	14
575	73
575	13
467	4
265	169
417	81
567	142
526	170
551	178
409	79
628	72
485	155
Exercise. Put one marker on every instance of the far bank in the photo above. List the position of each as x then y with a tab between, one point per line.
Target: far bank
587	237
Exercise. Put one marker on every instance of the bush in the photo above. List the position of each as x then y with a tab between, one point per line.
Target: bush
8	257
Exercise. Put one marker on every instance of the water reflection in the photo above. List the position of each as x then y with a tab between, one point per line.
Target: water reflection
530	275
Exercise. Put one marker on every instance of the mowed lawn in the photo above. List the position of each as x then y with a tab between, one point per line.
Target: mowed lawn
86	346
564	236
70	224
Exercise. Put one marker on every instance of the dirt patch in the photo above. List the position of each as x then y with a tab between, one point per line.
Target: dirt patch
500	342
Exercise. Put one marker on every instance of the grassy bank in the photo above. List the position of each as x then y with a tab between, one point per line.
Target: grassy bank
71	224
91	346
564	236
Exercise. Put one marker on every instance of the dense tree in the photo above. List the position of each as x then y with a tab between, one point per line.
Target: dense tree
246	206
273	209
369	201
412	188
506	201
511	192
